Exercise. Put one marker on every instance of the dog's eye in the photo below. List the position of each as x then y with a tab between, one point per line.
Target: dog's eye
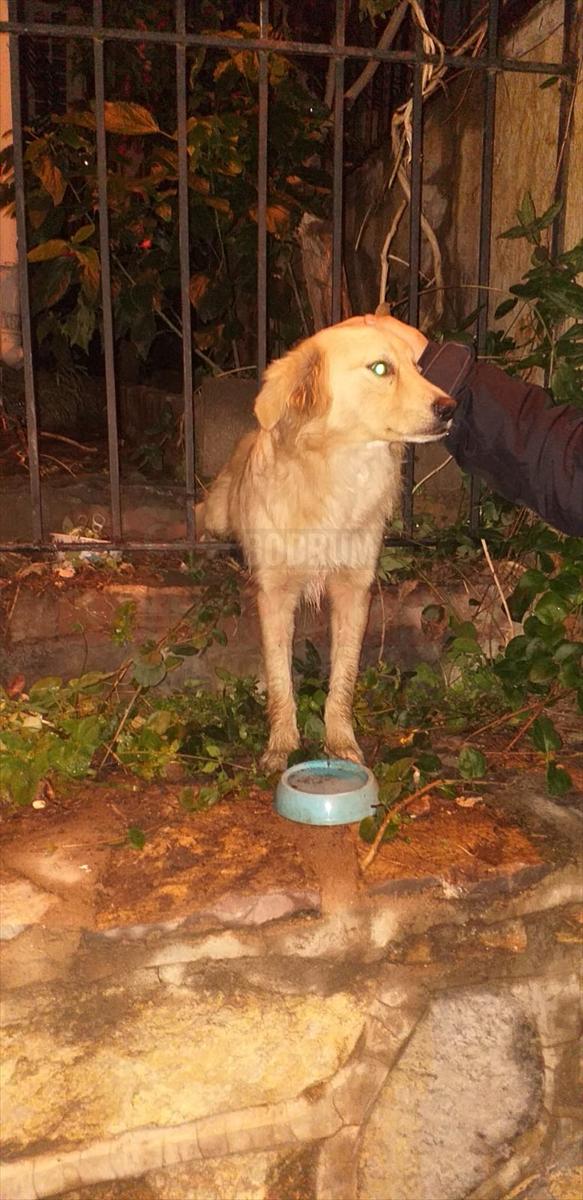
381	368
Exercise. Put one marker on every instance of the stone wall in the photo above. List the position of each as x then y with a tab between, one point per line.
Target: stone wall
408	1040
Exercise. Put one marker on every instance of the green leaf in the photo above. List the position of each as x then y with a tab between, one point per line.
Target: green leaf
54	248
559	781
544	735
464	646
393	560
526	213
505	307
517	231
548	217
399	769
149	669
82	234
517	647
51	177
368	829
123	117
551	609
389	792
90	682
471	763
314	727
80	325
552	79
161	721
90	265
48	683
529	585
136	837
570	674
542	669
427	762
52	279
392	829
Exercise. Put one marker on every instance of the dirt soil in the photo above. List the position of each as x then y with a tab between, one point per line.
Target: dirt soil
80	848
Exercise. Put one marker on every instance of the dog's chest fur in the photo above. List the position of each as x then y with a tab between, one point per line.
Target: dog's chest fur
321	511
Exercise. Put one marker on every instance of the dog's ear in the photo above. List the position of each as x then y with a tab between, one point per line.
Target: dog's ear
293	387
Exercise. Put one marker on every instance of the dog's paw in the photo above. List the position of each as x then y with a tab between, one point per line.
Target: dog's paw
346	748
275	759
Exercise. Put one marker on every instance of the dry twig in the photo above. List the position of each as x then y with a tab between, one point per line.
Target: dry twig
498	585
396	808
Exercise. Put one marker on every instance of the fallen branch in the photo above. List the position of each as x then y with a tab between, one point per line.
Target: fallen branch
391	813
58	437
518	712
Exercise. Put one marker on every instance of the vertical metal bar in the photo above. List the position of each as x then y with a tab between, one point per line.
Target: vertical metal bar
485	216
29	389
416	177
262	150
184	254
566	85
101	148
337	172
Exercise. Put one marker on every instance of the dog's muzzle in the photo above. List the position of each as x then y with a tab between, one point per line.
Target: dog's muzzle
444	408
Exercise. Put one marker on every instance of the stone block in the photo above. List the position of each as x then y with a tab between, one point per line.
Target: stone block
238	1175
162	1057
467	1084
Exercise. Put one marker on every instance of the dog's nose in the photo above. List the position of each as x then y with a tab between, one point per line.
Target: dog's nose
444	407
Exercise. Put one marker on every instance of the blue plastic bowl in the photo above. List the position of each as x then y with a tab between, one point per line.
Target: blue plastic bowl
326	791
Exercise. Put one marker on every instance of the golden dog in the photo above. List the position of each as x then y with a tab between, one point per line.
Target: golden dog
307	496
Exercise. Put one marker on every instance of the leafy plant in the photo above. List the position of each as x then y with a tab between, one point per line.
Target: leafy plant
73	729
553	300
142	186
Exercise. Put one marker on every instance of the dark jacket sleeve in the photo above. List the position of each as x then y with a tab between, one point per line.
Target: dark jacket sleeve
509	432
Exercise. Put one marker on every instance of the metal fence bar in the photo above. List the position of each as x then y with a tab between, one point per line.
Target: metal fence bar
262	155
339	53
20	196
485	220
312	49
184	255
567	86
337	169
416	184
108	345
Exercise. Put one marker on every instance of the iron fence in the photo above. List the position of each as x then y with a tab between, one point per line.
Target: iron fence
491	63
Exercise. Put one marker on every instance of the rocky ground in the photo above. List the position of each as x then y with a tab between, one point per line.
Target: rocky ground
240	1011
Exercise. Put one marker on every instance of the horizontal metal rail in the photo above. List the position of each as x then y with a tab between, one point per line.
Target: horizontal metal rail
91	546
313	49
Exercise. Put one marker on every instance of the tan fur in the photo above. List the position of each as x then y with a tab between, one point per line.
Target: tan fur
307	496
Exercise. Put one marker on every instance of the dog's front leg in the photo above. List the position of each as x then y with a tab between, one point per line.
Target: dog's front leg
277	607
349	593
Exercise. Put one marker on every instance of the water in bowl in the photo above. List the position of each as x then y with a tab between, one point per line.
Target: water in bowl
326	782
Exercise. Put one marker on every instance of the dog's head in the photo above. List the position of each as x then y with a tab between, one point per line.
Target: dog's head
362	381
